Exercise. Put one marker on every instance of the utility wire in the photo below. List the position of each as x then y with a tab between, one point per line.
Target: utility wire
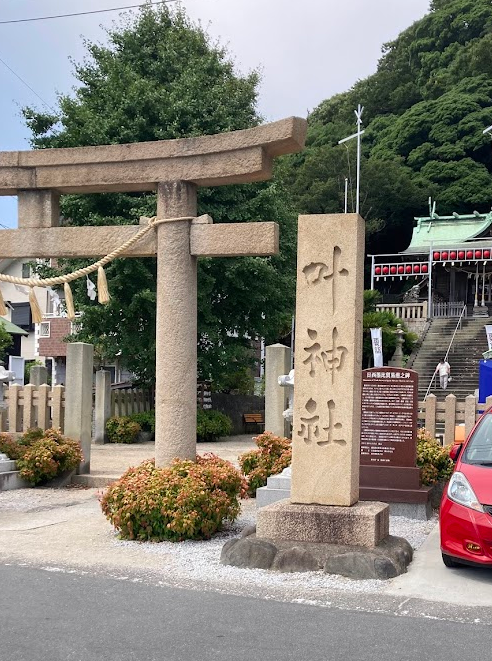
27	85
84	13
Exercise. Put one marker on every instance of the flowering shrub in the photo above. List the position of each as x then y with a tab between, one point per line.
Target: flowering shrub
433	460
122	430
187	500
10	447
272	455
42	455
211	425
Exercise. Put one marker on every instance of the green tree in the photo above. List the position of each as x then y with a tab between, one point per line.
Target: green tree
425	109
388	323
160	77
5	340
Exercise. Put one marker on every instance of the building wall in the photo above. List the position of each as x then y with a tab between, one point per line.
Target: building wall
11	294
54	346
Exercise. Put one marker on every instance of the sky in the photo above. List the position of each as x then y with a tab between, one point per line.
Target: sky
307	50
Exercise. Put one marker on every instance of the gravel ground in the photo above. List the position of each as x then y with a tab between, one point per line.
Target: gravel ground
198	563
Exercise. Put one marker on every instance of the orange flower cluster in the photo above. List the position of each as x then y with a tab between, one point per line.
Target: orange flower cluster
272	455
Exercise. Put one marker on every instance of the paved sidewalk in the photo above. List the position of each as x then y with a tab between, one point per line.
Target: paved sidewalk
111	460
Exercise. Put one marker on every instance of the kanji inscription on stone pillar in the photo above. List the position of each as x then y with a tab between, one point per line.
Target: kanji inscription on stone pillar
326	428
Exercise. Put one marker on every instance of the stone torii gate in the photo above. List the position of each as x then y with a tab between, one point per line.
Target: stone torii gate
174	168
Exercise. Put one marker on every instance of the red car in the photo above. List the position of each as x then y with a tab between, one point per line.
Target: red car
466	505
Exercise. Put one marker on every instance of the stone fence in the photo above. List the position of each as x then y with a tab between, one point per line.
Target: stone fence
126	401
451	412
405	311
43	406
32	406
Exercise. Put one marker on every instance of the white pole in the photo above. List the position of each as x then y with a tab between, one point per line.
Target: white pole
346	194
483	286
358	114
372	271
429	288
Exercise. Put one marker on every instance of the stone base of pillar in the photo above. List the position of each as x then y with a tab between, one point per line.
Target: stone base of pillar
364	524
480	311
288	526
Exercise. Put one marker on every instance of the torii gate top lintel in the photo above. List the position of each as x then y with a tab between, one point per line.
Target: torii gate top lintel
213	160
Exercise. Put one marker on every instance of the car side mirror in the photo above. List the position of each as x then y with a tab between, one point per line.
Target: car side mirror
454	453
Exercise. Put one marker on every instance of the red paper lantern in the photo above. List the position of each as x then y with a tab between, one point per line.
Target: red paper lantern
425	268
437	255
401	269
478	254
452	254
393	269
469	254
408	269
416	268
486	254
444	254
385	270
377	270
461	254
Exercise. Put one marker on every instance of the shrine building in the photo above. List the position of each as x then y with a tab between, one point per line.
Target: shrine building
449	265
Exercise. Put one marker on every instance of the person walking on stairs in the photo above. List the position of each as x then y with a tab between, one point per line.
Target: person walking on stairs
444	369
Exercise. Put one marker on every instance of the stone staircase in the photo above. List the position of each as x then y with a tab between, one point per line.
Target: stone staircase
469	344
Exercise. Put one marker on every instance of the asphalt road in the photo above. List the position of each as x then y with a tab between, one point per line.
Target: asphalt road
73	617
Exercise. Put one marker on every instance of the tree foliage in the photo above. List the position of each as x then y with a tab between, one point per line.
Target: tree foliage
5	340
424	112
160	77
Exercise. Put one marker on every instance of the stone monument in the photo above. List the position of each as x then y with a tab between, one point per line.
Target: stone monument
388	457
324	525
174	169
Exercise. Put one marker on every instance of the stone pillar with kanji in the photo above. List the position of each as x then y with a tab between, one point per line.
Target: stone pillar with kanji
324	503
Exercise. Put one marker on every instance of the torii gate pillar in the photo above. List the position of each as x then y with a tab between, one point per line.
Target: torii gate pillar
176	331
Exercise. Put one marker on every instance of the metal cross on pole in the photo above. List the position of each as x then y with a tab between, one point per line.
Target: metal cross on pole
358	135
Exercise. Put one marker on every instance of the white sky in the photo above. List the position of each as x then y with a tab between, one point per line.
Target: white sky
307	50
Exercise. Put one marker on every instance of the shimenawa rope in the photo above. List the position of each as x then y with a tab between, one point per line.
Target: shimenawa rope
102	286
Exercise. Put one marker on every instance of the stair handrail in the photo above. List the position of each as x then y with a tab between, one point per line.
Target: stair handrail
458	325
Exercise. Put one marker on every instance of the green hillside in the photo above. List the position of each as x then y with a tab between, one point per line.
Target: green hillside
425	110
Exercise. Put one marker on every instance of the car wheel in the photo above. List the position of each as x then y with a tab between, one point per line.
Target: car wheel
450	562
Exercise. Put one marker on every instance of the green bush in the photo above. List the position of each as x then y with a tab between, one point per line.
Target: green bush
211	425
433	459
184	501
122	430
272	455
42	455
145	420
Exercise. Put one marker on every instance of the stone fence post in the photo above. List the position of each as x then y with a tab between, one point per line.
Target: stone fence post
103	405
277	363
78	398
38	375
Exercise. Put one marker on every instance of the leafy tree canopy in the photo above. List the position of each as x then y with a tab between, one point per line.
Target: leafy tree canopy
5	340
160	77
424	112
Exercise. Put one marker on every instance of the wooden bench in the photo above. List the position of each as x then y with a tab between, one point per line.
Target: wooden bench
254	419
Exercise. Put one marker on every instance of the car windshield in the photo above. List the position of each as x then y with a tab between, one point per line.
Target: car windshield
479	447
